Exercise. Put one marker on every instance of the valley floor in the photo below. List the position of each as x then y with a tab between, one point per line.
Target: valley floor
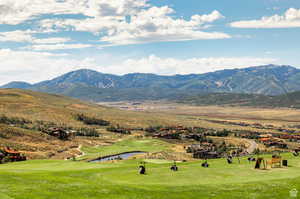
217	117
225	112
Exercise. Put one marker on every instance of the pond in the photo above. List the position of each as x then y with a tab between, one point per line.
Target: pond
121	156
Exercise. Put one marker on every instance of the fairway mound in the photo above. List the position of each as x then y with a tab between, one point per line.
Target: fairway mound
120	156
158	161
166	155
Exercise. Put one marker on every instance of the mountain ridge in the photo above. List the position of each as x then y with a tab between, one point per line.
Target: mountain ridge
17	84
96	86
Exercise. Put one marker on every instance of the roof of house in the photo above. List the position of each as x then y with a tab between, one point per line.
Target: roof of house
265	135
264	139
10	151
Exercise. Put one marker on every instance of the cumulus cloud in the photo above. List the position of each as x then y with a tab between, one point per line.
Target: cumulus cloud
51	40
16	36
60	46
290	19
40	44
27	36
156	25
16	12
39	66
149	25
172	66
114	22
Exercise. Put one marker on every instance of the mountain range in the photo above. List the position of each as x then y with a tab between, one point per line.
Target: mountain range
95	86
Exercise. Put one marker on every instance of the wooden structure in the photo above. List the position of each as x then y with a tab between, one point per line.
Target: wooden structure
269	142
276	161
259	163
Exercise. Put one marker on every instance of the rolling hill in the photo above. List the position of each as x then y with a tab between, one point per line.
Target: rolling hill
94	86
20	85
60	109
34	108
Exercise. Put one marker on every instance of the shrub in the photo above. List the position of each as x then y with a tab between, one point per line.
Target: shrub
13	120
118	129
89	132
91	120
153	129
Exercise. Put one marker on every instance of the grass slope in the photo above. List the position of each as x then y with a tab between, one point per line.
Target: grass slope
78	180
60	109
34	144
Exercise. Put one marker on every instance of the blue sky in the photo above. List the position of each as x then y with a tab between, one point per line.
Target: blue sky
41	39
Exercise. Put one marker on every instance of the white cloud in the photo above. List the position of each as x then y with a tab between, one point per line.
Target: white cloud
290	19
59	46
16	36
93	25
52	40
172	66
19	11
39	44
156	25
116	22
27	36
37	66
151	25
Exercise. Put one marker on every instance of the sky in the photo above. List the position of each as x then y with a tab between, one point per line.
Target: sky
41	39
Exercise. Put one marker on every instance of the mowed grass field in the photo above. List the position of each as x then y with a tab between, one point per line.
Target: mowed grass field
58	179
126	145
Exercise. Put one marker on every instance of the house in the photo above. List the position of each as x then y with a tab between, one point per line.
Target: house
204	150
265	135
270	142
60	133
11	155
205	154
264	139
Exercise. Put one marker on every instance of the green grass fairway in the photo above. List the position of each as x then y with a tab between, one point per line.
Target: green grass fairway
51	179
131	144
